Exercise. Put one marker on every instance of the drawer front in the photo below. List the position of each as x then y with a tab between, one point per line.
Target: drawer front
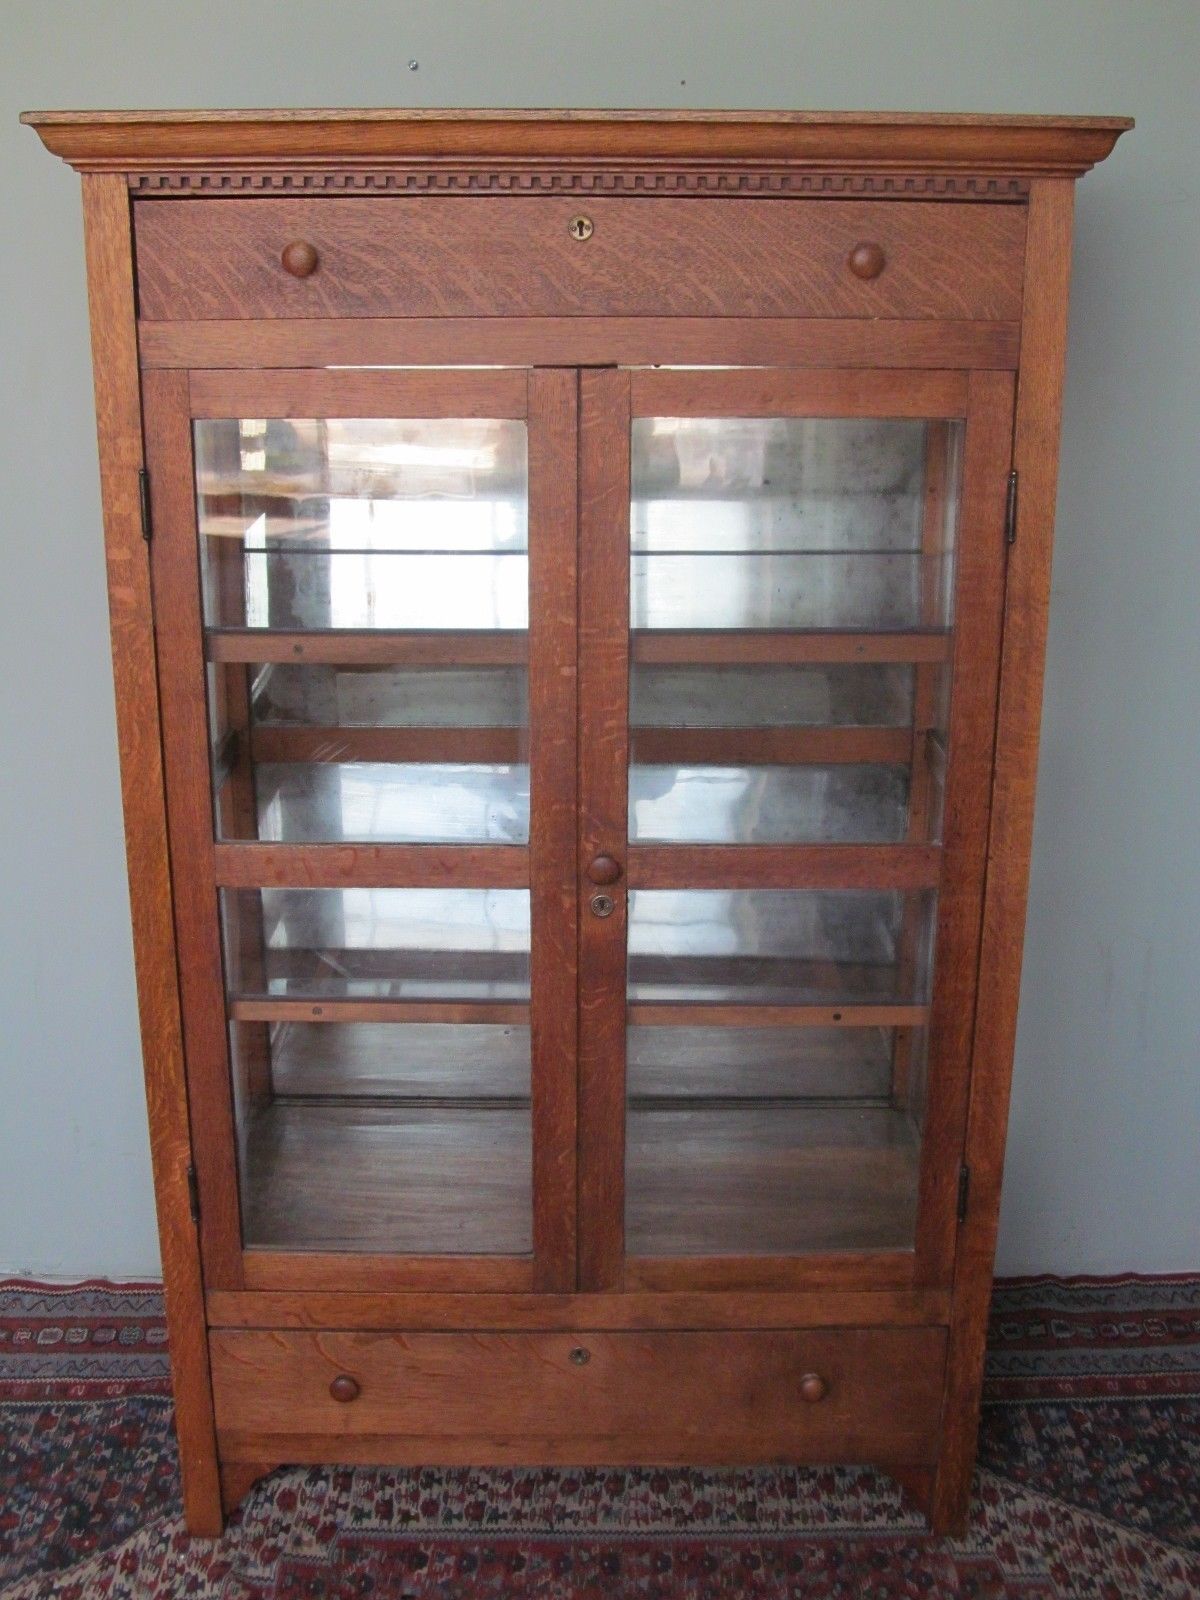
486	256
656	1398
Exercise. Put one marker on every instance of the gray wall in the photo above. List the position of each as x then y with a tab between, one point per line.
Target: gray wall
1104	1166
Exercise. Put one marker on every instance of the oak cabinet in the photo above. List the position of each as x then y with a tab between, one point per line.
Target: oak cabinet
579	589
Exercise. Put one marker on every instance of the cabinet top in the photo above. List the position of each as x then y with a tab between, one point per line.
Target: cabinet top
299	140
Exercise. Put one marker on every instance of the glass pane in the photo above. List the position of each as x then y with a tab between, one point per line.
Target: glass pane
373	1132
777	1049
404	755
381	1137
378	944
762	529
780	946
767	805
351	524
363	523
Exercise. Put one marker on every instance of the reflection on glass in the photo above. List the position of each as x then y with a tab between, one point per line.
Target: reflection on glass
363	523
778	946
379	944
768	805
414	755
366	524
781	522
764	697
777	526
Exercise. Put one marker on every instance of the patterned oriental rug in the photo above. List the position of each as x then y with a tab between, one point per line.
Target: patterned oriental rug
1088	1484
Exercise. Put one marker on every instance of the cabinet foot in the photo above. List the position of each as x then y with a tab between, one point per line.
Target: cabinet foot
917	1483
950	1500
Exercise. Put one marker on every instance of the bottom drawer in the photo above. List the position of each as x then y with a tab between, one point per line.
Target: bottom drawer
625	1398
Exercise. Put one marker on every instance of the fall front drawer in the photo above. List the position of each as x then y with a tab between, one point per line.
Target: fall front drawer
499	256
595	1398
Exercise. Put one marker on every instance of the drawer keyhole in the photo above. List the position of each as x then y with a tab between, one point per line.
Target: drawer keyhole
580	1357
580	227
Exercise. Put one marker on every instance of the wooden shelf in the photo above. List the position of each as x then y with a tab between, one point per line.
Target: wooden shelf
380	1179
769	1181
767	647
482	647
505	647
745	1180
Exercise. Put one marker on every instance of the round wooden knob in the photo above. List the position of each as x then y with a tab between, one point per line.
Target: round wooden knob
344	1388
300	258
866	260
604	870
813	1387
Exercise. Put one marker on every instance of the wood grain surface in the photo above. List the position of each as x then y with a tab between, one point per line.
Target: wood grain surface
505	257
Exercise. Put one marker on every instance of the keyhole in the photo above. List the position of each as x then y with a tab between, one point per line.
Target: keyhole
580	227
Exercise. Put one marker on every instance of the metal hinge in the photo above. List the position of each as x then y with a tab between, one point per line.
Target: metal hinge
144	501
964	1191
1010	509
193	1195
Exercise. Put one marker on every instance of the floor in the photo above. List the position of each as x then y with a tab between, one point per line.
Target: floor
1088	1484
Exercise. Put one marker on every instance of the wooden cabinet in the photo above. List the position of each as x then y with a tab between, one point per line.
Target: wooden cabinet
579	590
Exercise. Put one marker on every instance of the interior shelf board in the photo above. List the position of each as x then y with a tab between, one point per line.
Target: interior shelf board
388	1179
767	1181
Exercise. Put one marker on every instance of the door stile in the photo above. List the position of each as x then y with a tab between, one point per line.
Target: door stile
604	446
174	569
553	731
974	686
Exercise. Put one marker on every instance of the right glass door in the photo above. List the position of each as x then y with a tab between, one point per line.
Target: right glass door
815	567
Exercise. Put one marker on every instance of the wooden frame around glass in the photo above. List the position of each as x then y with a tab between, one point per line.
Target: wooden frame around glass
609	402
545	400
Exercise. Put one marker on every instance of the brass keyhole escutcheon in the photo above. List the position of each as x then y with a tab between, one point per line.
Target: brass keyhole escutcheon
603	905
580	227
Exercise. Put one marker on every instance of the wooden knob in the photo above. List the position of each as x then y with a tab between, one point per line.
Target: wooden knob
813	1387
344	1388
604	870
866	260
300	258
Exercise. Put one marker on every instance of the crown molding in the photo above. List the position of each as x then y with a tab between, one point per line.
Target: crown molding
637	145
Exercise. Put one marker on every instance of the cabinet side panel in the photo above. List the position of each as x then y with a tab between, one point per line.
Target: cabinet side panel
118	414
1026	609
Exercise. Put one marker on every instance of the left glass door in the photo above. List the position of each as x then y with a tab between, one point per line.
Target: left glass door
364	601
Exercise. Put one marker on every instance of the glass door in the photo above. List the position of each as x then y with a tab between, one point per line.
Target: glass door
790	613
364	591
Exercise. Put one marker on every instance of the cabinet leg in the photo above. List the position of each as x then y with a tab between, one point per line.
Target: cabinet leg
950	1502
917	1484
203	1512
237	1480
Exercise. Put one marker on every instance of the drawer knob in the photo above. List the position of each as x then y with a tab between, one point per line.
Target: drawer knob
813	1387
300	258
344	1388
604	870
866	260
